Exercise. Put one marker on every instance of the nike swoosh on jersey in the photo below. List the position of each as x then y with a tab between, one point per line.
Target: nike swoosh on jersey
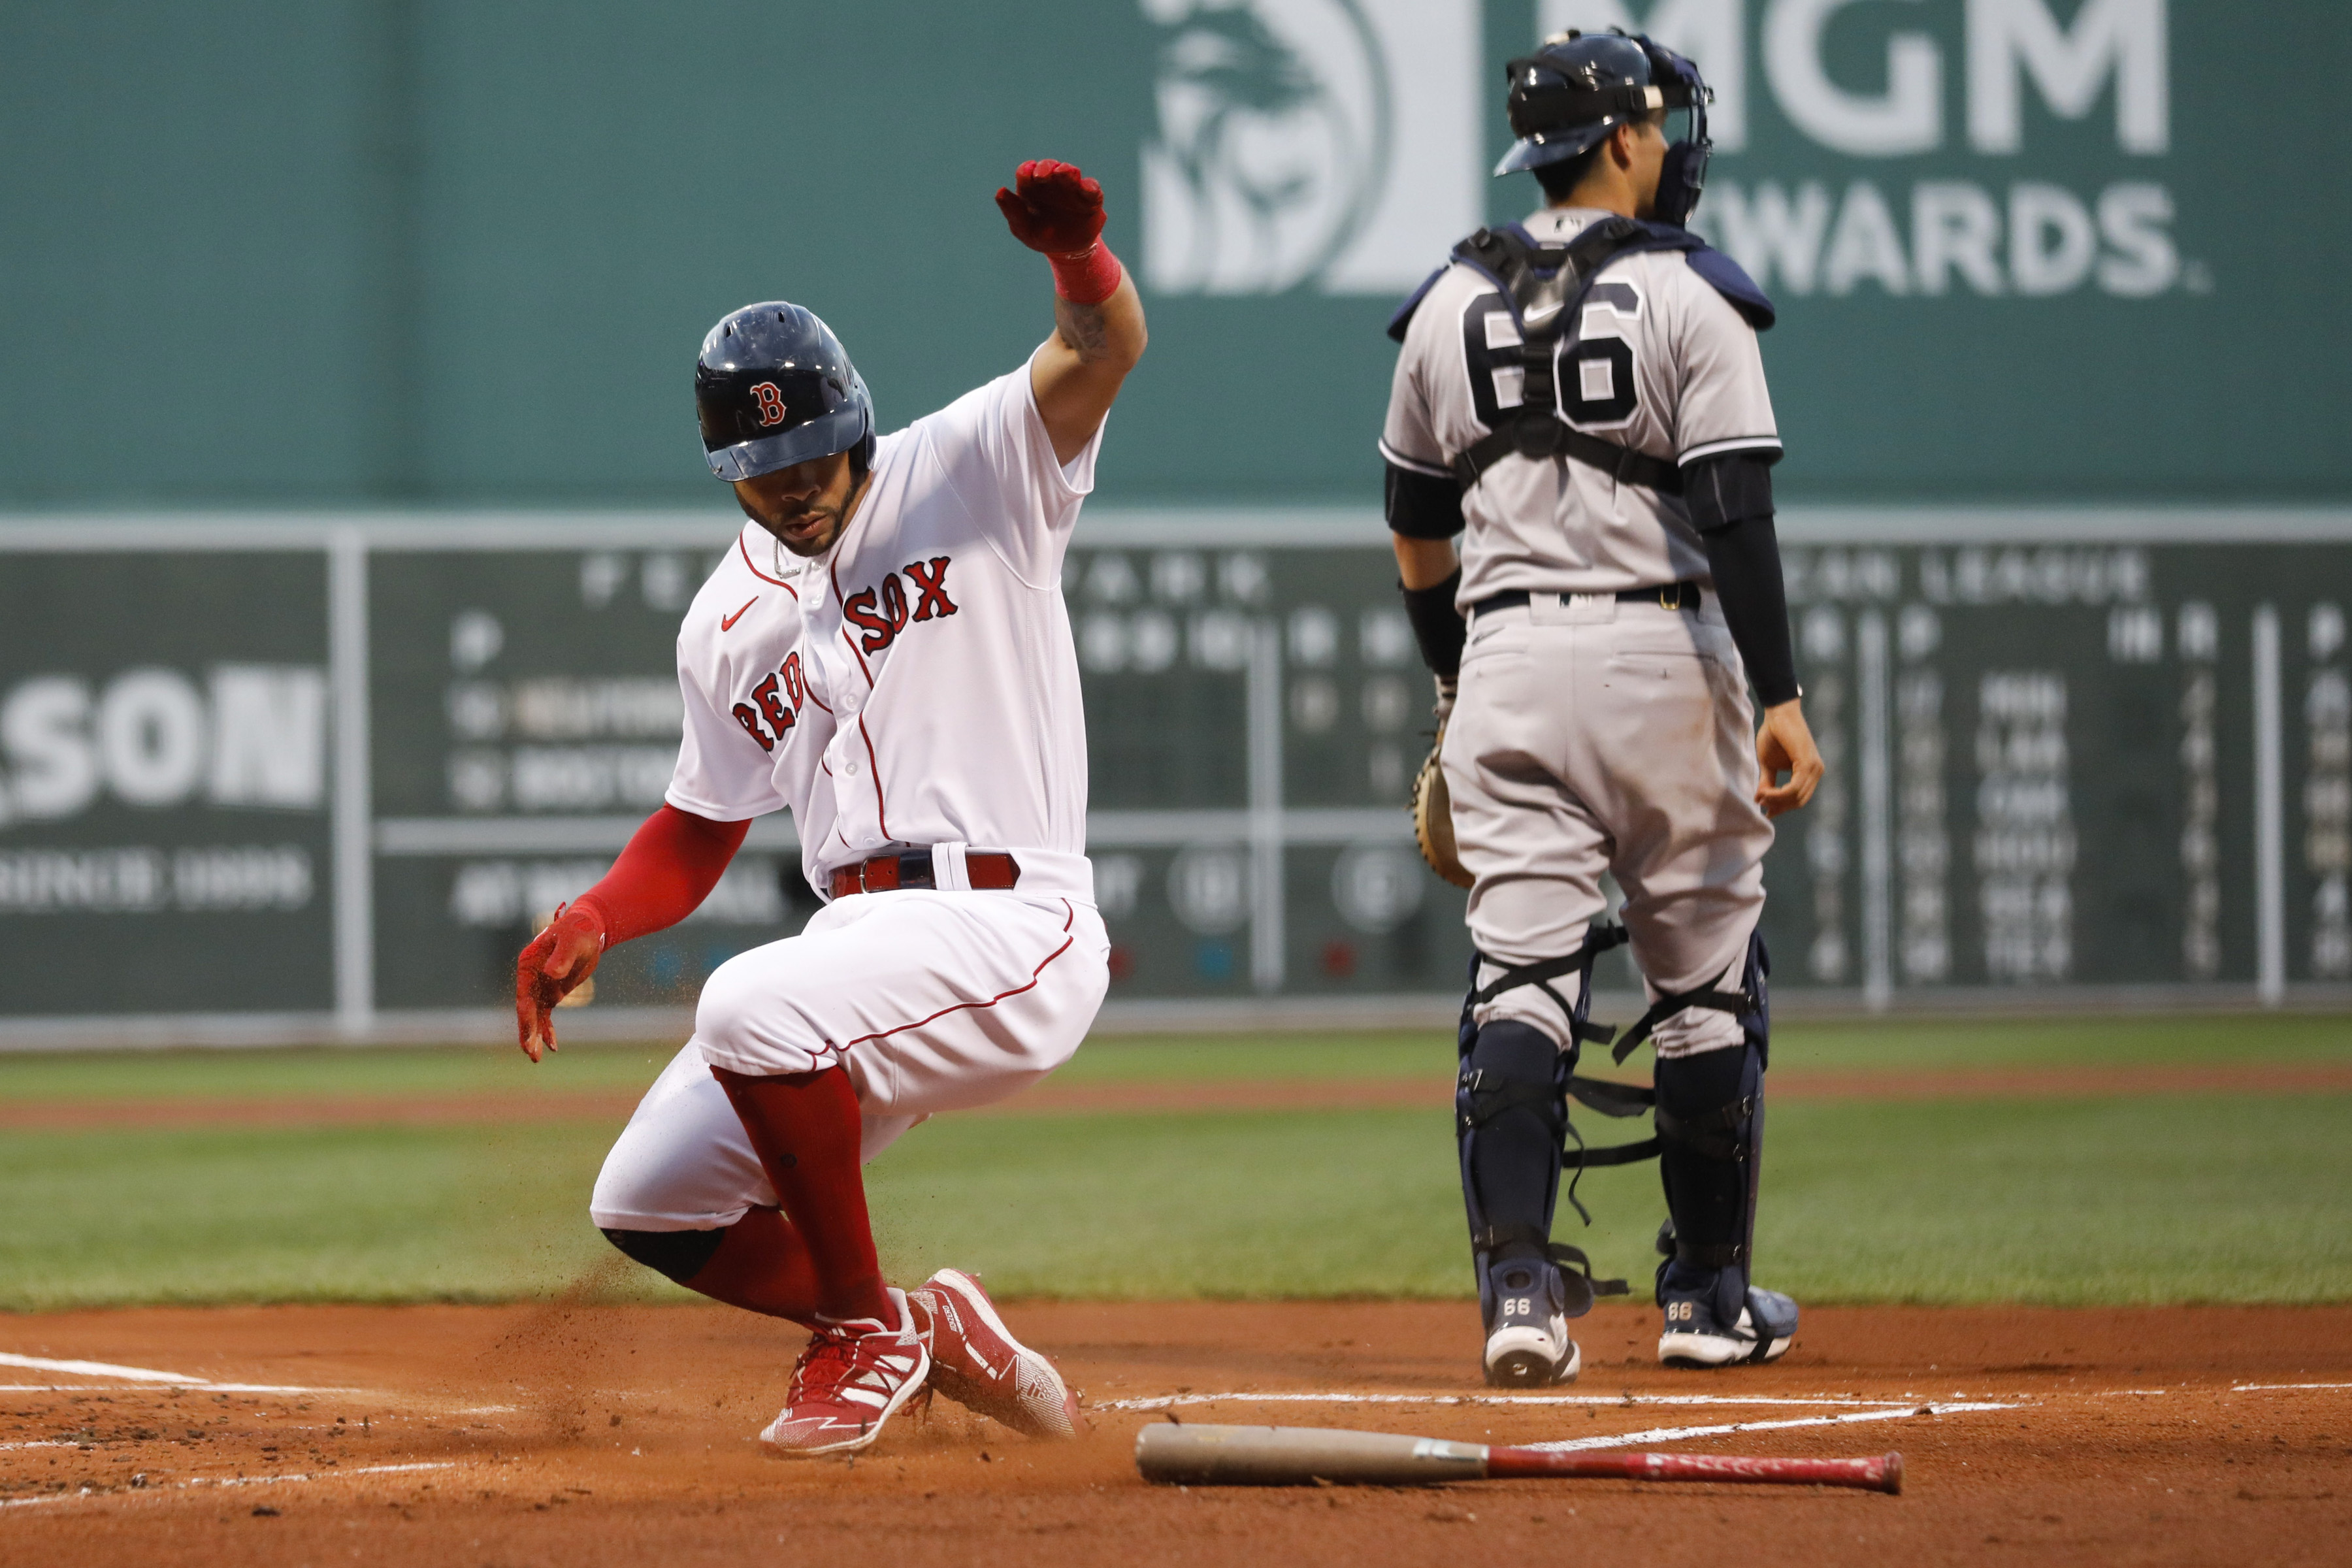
727	623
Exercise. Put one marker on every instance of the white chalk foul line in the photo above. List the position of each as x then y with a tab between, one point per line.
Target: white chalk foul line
2280	1387
143	1375
1600	1401
98	1369
231	1482
362	1470
1678	1434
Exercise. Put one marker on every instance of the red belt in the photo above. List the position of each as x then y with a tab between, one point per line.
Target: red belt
986	869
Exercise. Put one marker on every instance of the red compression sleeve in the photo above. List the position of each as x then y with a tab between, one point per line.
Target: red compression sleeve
669	868
806	1127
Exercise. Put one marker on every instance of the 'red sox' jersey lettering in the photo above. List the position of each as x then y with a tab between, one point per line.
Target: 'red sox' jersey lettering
778	698
756	725
882	613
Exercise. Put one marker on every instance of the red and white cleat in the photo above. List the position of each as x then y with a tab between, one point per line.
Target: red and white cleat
853	1378
977	1362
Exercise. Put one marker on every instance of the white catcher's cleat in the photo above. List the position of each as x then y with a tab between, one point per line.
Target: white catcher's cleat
1527	1344
1695	1337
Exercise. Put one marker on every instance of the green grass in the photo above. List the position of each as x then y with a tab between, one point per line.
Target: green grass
1876	1046
2115	1201
296	1215
323	1071
2175	1198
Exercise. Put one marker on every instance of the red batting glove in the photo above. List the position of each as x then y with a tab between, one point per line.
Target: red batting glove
557	961
1059	210
1055	210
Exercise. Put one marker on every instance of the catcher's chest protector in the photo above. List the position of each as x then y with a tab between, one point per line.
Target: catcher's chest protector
1545	287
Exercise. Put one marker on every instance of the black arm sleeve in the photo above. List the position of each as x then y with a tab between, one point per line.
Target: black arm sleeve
1423	506
1730	501
1437	625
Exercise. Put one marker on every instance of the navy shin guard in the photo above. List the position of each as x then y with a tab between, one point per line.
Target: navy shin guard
1511	1126
1710	1118
1710	1124
1512	1117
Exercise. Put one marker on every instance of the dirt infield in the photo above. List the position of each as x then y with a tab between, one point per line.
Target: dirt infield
1429	1091
563	1436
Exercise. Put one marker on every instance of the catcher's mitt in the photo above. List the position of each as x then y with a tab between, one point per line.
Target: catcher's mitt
1433	818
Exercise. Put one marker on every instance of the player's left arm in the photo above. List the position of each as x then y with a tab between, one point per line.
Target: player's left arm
1731	500
1099	333
1729	444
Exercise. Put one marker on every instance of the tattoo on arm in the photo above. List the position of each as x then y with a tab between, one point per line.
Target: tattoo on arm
1081	328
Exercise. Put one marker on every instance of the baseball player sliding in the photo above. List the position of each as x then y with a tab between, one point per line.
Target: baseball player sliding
885	653
1581	400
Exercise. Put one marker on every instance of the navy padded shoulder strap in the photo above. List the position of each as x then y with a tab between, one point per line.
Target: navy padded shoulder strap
1404	317
1467	253
1556	276
1723	274
1732	282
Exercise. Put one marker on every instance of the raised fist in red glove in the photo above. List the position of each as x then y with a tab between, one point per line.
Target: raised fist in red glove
555	962
1054	209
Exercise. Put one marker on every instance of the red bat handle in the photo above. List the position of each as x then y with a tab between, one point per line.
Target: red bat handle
1881	1474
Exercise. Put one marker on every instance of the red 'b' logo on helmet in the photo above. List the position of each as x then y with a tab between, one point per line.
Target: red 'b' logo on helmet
771	401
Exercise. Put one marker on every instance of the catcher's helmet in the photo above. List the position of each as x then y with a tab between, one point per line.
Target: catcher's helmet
1578	87
773	387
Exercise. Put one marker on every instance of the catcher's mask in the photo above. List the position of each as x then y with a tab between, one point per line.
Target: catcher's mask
1579	86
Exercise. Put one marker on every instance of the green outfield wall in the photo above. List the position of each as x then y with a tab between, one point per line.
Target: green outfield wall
414	251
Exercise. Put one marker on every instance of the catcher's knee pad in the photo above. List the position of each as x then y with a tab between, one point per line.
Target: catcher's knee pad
676	1255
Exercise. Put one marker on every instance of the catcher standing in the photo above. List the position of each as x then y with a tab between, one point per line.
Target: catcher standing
885	653
1580	399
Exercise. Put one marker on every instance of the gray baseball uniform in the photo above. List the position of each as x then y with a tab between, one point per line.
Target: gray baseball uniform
1592	733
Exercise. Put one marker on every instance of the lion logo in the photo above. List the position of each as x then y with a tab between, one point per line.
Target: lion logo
1272	144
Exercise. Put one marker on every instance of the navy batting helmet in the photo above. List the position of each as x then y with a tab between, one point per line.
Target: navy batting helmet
1578	86
773	387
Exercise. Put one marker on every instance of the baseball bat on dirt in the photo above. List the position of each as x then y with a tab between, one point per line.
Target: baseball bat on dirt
1302	1456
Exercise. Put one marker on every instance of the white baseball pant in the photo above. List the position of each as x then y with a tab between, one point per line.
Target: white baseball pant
1590	735
932	1001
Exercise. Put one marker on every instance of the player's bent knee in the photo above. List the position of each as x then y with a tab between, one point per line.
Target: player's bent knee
1509	1048
676	1255
738	1008
726	1000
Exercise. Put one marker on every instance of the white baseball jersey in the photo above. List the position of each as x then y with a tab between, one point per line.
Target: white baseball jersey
754	739
1658	361
941	645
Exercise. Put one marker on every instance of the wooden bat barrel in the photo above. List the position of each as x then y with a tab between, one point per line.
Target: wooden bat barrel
1300	1456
